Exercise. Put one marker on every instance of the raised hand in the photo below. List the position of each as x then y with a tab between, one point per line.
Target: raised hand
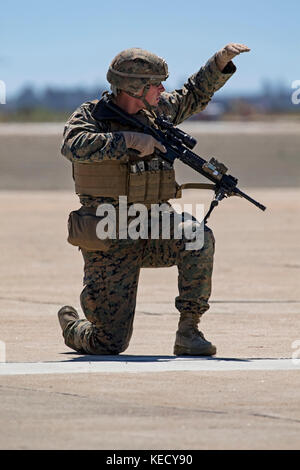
228	52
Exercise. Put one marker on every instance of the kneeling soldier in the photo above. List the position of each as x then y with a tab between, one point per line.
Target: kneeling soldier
112	159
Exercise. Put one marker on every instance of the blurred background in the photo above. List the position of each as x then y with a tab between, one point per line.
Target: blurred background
54	56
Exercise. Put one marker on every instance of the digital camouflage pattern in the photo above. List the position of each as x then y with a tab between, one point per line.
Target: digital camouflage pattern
87	140
111	278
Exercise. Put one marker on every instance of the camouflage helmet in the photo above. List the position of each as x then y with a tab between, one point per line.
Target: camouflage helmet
134	68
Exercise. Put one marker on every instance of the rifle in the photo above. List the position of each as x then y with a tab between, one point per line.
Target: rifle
179	145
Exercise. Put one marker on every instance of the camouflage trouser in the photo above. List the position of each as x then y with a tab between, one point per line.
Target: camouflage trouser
111	280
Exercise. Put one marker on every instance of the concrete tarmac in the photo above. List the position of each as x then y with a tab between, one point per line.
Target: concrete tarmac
146	398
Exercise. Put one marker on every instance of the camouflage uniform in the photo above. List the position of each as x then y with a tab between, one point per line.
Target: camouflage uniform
111	277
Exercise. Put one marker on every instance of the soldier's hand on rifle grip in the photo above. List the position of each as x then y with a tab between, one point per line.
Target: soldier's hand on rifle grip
145	144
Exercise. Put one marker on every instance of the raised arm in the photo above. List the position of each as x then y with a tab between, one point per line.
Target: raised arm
199	89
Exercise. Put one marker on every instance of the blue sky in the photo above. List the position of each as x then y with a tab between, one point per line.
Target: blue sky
70	43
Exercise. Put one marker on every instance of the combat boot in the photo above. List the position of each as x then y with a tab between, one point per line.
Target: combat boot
67	314
189	340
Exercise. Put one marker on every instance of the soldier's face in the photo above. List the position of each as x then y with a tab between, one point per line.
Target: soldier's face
153	94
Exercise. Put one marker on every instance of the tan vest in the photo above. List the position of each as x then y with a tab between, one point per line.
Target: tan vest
112	178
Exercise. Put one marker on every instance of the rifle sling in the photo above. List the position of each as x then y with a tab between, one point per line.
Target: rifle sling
198	186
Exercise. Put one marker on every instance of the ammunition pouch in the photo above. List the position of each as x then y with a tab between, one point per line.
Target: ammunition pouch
82	230
152	186
145	181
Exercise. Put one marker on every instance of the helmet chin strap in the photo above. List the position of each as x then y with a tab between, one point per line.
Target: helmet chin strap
142	97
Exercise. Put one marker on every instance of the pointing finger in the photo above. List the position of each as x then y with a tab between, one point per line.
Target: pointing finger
242	47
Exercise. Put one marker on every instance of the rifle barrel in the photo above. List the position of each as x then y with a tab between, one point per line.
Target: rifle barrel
184	154
244	195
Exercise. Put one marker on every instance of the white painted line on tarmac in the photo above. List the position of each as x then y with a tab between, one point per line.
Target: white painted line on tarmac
240	127
150	364
192	127
32	129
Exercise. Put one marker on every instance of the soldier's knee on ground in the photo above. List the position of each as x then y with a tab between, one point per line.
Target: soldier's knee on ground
121	347
108	342
111	327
